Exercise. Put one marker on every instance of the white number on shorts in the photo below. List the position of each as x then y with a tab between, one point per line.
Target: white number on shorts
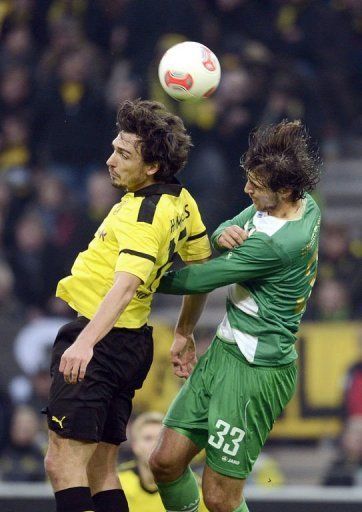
224	427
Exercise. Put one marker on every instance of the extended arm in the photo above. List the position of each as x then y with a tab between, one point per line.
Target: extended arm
183	353
255	258
75	359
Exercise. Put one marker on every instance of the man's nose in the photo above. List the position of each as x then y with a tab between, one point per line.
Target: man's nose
248	189
110	160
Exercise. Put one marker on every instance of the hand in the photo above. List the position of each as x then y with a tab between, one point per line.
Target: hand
74	362
232	236
183	354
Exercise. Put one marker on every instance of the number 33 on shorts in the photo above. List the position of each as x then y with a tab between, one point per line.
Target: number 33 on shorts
235	434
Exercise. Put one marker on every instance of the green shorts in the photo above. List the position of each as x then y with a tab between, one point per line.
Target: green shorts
228	407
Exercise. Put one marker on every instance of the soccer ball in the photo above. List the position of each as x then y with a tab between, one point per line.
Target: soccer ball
189	71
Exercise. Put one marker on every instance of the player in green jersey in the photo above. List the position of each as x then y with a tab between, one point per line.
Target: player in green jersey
248	375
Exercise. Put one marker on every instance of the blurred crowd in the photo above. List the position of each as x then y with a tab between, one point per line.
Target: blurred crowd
65	65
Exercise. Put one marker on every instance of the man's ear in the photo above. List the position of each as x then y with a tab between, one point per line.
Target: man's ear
151	169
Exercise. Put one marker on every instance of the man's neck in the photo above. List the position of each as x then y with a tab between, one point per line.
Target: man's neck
288	210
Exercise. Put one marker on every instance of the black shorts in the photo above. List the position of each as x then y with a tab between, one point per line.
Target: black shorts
99	407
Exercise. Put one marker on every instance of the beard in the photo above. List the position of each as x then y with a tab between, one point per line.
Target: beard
268	204
118	186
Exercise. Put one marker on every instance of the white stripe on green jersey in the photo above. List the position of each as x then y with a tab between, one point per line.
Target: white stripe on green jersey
271	276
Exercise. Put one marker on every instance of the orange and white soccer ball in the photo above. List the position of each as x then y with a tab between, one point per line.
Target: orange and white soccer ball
189	71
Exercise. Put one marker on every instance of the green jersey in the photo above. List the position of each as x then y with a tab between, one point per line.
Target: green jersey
271	276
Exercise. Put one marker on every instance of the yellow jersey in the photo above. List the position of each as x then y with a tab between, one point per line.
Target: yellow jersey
141	235
141	499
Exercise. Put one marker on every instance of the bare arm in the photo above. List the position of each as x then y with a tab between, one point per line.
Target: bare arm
75	359
183	352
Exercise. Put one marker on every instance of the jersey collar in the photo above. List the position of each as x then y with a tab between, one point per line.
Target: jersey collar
172	189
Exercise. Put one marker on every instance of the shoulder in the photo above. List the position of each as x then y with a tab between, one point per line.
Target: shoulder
188	198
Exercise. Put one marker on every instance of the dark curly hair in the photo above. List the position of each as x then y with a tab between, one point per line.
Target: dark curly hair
281	156
163	137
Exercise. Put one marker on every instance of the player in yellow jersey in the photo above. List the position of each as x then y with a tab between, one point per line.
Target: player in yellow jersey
102	357
136	477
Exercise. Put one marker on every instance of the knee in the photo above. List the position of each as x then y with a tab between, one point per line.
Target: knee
57	463
219	502
52	465
162	466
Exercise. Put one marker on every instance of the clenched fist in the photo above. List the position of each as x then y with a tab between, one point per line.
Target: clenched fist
232	236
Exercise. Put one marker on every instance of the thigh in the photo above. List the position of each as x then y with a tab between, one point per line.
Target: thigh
70	452
102	468
244	406
66	461
105	455
188	413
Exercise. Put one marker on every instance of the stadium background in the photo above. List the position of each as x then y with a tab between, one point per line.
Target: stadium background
64	67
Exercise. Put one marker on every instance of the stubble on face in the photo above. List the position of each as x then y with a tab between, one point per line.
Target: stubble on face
268	202
126	170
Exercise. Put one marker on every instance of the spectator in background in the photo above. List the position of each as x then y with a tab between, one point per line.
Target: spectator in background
11	320
15	150
321	50
29	13
40	382
22	459
337	262
331	301
34	262
352	402
346	470
61	217
101	196
31	352
15	194
136	478
70	121
40	386
16	92
66	36
18	48
121	85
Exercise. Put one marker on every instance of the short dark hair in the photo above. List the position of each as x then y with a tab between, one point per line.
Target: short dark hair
163	135
282	156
